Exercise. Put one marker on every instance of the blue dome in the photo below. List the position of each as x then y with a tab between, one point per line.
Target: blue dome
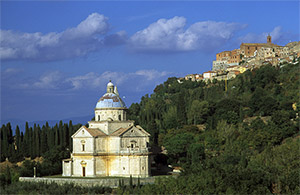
110	100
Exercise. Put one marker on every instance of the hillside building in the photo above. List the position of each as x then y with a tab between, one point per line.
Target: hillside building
111	145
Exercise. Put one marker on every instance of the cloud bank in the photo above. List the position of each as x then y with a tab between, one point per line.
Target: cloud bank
92	35
56	80
86	37
170	35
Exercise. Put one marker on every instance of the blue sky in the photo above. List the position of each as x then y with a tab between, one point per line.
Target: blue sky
56	57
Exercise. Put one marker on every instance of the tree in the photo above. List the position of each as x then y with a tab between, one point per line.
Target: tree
71	131
170	118
56	133
177	146
196	153
43	140
198	112
60	133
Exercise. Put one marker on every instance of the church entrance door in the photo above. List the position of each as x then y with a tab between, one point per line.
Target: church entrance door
83	171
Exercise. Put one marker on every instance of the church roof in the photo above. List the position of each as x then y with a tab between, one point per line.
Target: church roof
120	131
94	132
110	100
260	44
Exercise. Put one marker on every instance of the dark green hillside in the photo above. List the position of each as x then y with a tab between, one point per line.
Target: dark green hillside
260	92
249	143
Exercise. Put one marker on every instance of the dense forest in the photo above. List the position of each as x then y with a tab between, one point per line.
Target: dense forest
241	141
51	143
236	137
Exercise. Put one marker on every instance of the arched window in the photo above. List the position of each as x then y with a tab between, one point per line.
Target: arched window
119	117
98	117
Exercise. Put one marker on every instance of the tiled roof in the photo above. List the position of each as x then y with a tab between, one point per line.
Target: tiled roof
120	131
210	72
94	132
261	44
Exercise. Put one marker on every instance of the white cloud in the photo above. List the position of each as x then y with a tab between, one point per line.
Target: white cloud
11	71
73	42
94	80
170	35
133	81
48	81
55	80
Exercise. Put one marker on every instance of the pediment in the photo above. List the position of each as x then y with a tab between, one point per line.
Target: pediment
135	131
82	132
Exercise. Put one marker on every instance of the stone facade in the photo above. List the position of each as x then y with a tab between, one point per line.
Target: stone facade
111	145
209	75
220	65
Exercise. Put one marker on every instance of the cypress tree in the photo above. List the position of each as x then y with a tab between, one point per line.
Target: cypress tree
26	141
70	146
43	140
4	142
66	135
12	153
18	137
11	149
60	133
31	144
50	136
37	140
22	146
56	142
18	141
10	134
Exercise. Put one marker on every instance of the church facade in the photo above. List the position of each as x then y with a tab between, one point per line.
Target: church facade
111	145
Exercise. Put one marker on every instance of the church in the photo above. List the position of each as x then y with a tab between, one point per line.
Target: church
111	145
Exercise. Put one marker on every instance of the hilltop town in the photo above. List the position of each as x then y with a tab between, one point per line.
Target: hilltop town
229	64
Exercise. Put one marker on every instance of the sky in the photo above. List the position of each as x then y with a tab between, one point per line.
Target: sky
57	56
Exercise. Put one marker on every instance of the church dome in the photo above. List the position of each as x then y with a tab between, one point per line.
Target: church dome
111	99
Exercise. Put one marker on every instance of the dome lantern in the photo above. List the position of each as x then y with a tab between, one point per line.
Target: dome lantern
110	87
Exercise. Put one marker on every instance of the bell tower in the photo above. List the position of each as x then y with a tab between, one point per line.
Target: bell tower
269	39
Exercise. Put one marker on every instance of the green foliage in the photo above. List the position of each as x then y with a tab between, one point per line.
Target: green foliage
230	153
198	113
53	188
36	141
170	118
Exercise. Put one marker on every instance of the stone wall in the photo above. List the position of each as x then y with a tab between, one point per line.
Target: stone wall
105	182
